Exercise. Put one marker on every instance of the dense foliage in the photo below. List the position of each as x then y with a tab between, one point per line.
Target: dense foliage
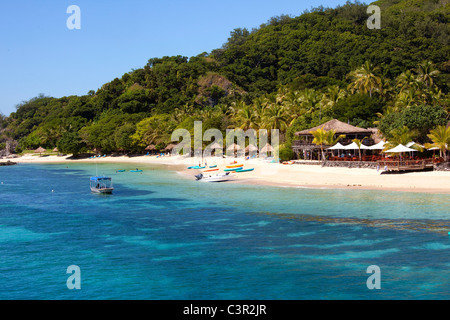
291	73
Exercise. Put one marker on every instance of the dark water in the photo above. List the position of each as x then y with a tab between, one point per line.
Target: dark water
160	236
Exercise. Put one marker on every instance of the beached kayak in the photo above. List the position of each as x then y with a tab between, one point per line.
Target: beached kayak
235	166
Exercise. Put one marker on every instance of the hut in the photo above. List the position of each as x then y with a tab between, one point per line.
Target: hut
306	146
234	148
267	149
170	147
40	150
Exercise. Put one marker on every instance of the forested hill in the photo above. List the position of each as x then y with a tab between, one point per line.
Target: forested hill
289	73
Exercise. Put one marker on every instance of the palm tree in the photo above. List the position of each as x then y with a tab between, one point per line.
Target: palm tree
407	80
389	109
365	79
359	144
426	73
320	137
275	117
323	137
441	139
401	136
247	118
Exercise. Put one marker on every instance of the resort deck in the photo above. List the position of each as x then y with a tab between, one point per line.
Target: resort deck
406	165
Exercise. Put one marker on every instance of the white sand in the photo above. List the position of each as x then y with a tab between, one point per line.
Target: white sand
314	176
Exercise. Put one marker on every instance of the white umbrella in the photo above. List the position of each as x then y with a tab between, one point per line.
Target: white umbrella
400	148
410	144
379	146
354	146
337	146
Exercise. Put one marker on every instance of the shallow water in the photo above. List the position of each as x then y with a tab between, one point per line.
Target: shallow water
161	236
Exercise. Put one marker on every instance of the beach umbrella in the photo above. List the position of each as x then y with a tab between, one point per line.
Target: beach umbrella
337	146
234	147
354	146
170	147
39	150
267	148
216	146
251	148
379	146
399	149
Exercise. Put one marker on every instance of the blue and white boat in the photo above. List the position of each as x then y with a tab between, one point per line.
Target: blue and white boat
101	185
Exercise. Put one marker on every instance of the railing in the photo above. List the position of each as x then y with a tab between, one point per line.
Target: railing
403	165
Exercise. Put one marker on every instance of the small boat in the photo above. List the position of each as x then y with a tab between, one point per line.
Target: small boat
245	170
221	177
121	170
101	185
136	170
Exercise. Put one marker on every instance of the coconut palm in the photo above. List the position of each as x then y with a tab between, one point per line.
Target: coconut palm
407	80
401	136
359	144
427	73
246	118
441	139
320	139
275	117
323	137
365	79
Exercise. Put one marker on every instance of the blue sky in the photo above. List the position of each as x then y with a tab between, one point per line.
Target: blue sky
39	54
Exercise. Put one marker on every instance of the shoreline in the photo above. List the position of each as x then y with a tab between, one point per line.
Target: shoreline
285	176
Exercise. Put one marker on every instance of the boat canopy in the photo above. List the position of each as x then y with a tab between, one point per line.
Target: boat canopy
100	178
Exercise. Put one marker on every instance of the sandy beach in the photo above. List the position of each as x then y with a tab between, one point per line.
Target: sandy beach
297	175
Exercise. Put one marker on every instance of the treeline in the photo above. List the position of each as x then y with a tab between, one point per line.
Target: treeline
291	73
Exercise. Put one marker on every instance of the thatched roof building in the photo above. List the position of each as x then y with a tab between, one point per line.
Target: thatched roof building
306	145
338	126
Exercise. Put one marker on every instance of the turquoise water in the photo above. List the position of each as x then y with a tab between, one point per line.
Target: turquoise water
162	236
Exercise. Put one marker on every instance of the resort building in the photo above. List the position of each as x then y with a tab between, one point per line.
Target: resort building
306	149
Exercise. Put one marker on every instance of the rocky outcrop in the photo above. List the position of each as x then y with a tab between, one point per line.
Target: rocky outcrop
7	163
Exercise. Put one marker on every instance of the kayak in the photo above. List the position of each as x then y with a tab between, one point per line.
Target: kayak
245	170
235	166
213	166
231	169
196	167
121	170
135	170
210	170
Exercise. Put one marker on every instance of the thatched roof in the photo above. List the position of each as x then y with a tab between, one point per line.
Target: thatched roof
150	147
250	148
339	126
39	150
376	135
234	147
170	147
55	150
216	146
267	148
